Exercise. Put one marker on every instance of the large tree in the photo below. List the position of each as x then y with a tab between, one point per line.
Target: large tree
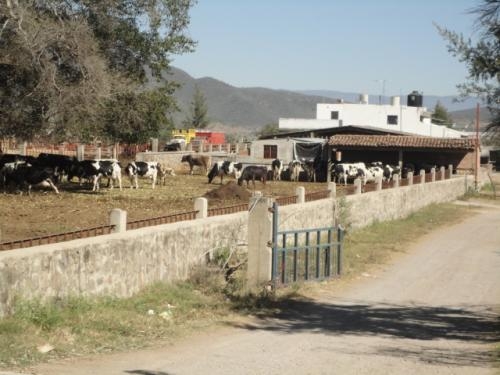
61	61
441	115
482	57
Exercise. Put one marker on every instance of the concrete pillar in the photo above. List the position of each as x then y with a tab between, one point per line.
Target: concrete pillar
116	146
378	181
332	186
443	171
219	148
300	192
118	218
395	180
98	153
410	178
189	147
24	149
210	147
450	170
80	152
154	144
433	174
259	241
201	205
237	148
357	183
422	176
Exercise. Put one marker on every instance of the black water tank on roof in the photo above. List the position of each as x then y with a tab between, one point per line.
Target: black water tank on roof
415	99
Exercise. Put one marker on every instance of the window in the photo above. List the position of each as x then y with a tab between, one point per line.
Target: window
334	115
392	120
270	151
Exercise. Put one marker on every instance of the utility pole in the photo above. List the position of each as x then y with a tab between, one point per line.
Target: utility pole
382	81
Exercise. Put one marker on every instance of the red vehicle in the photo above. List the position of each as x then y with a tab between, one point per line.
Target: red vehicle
210	137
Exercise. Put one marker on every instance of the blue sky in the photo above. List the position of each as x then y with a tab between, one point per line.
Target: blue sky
342	45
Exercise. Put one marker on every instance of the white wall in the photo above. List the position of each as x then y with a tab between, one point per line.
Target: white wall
374	115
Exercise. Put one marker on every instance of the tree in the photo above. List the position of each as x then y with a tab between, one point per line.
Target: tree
62	60
133	117
198	112
441	116
268	129
482	58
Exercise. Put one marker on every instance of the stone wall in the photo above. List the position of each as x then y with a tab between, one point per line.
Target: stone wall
121	264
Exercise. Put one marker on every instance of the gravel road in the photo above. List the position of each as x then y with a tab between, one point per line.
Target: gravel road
433	310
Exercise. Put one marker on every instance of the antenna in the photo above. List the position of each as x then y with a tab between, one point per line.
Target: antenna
382	81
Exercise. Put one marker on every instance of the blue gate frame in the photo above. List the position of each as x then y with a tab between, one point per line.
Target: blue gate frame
305	254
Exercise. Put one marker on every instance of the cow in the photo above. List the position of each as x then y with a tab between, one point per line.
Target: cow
93	170
24	174
277	167
310	168
202	161
253	172
390	171
163	172
348	171
111	169
62	163
374	172
295	167
222	168
12	158
148	169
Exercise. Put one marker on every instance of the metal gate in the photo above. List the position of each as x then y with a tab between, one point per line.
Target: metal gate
305	254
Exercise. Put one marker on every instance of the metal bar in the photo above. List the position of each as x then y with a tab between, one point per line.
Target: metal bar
295	243
318	252
275	245
306	277
283	261
340	237
328	251
304	230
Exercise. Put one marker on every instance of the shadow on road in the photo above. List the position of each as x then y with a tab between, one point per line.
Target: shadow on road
478	324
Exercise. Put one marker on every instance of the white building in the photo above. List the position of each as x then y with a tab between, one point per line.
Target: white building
412	119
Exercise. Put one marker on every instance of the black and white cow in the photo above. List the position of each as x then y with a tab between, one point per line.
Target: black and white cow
147	169
223	168
348	171
253	172
390	171
94	170
277	168
294	167
23	174
374	172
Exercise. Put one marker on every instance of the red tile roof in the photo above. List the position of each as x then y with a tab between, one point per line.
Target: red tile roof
400	141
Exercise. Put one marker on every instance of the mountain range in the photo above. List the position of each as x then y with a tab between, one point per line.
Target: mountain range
250	108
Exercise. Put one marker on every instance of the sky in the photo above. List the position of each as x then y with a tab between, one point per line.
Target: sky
388	47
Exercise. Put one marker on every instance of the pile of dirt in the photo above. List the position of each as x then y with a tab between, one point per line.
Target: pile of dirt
229	191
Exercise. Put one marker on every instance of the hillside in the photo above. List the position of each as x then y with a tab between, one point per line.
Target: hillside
248	109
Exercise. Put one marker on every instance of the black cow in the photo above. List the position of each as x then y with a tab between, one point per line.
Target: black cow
12	158
62	163
253	172
24	174
202	161
148	169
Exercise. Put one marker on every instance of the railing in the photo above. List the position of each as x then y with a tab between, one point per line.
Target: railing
227	210
54	238
283	201
167	219
322	194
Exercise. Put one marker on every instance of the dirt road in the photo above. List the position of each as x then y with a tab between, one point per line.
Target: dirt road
432	311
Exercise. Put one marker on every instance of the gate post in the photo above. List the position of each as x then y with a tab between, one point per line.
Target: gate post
333	190
410	178
422	176
300	192
118	218
357	183
433	174
395	180
259	242
443	171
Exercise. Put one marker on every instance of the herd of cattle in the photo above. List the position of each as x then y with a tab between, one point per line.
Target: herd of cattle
49	169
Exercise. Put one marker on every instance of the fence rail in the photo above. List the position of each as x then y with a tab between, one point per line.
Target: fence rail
167	219
54	238
283	201
227	210
322	194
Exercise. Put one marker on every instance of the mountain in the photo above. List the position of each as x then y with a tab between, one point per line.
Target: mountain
241	107
250	108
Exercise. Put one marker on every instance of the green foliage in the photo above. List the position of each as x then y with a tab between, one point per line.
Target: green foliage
135	117
198	112
482	57
62	61
268	129
441	116
43	315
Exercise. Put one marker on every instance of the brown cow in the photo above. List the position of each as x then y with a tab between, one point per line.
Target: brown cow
201	161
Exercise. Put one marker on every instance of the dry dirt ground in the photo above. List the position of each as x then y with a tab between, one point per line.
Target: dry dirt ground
432	310
77	207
